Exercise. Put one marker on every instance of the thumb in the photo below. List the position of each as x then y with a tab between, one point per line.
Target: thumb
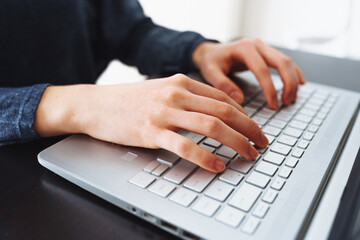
220	81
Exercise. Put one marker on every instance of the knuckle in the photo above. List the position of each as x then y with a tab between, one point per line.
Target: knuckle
182	146
264	71
211	124
286	61
246	42
180	79
226	110
172	94
258	41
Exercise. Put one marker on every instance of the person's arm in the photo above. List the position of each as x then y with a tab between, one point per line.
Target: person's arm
149	114
18	106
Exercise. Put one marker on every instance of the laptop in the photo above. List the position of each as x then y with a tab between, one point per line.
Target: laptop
274	197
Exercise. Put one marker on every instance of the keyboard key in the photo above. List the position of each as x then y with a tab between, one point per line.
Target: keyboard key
224	159
308	136
142	179
180	171
308	112
249	110
160	170
293	132
270	138
190	135
259	120
277	123
283	116
261	209
271	130
321	116
303	118
245	197
278	183
266	113
313	128
211	142
251	225
167	157
206	206
241	166
183	197
261	151
270	196
285	172
230	216
266	168
298	124
288	140
225	151
303	144
199	180
291	162
297	152
325	110
274	158
162	188
231	177
207	148
258	179
313	107
317	121
281	148
219	191
151	166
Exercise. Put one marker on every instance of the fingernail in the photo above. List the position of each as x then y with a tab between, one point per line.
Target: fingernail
253	153
219	165
238	97
274	102
264	140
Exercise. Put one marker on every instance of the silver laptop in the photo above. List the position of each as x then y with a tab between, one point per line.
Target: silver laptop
274	197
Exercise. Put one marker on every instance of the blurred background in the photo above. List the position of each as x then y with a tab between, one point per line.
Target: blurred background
327	27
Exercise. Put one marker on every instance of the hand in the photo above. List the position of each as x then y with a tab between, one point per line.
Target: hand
215	61
149	114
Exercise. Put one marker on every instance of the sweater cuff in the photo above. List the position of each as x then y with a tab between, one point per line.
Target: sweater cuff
27	112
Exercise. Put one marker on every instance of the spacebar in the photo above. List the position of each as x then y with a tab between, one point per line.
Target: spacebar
180	171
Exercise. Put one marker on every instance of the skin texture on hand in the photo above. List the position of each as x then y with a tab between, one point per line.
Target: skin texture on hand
217	61
149	114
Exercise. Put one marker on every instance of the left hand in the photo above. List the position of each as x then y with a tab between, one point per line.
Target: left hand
216	61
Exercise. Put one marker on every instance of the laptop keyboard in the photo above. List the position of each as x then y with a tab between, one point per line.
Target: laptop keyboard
241	196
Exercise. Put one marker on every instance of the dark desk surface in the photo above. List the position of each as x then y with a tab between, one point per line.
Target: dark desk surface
37	204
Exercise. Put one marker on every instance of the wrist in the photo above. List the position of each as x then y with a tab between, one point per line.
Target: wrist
200	53
59	110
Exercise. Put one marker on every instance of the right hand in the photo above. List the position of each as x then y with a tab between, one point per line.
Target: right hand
149	114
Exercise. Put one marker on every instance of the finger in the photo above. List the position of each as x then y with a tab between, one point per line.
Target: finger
229	115
300	75
219	80
285	67
205	90
213	127
253	60
187	149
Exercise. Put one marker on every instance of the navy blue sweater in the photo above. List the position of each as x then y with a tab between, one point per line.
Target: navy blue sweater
62	42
